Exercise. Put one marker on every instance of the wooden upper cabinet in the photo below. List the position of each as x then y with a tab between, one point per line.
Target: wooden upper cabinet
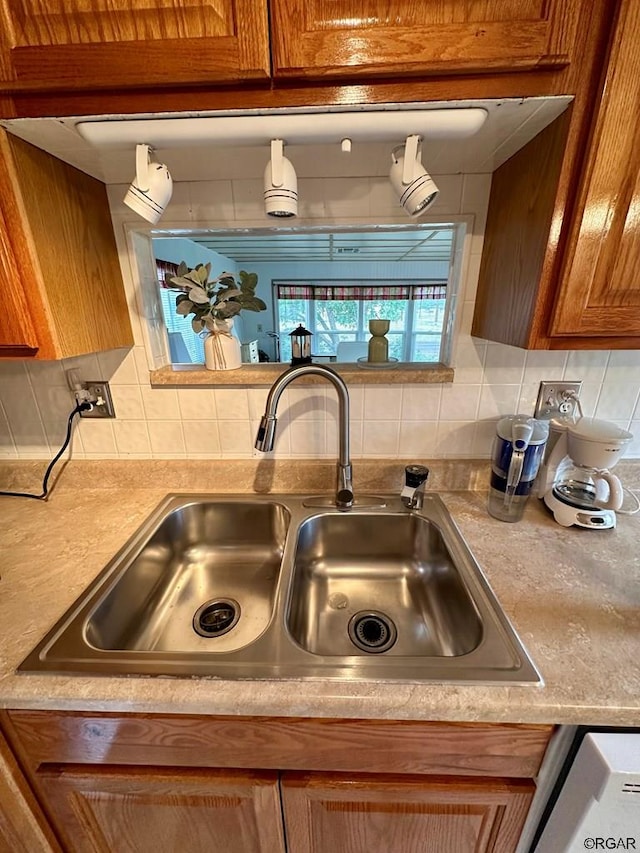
61	290
97	44
404	37
599	291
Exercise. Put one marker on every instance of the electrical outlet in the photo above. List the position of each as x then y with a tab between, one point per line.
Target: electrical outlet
99	394
558	400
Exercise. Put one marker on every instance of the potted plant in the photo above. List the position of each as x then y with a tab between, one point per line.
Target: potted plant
214	304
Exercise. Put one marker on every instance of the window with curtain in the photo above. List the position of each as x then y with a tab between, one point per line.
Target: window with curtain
336	312
184	345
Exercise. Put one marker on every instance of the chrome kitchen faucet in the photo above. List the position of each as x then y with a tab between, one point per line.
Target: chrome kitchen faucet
267	428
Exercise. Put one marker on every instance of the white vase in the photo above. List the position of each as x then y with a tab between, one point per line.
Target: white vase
222	350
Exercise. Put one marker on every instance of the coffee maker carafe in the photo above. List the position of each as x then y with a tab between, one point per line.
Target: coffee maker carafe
518	449
576	483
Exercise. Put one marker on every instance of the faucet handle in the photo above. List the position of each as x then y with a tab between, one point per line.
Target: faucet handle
415	478
415	475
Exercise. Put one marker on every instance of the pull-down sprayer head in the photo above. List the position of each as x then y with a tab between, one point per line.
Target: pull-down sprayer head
267	429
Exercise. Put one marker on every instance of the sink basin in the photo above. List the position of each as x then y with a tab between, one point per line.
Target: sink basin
278	587
373	583
207	569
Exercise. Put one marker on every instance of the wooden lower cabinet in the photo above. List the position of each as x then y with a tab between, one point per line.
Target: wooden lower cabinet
402	814
161	783
151	810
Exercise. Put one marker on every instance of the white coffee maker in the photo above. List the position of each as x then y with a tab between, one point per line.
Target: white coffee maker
576	482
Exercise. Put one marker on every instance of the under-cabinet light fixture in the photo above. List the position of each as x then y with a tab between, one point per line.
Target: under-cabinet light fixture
280	183
151	189
413	185
383	124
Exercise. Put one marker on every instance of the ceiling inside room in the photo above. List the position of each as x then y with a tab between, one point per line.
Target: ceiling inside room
382	245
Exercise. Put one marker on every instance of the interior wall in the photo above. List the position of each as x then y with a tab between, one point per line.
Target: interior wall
421	421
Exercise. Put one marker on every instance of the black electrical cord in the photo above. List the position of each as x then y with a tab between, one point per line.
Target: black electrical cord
81	407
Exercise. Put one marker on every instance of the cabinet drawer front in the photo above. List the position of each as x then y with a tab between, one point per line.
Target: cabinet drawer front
98	44
404	36
281	743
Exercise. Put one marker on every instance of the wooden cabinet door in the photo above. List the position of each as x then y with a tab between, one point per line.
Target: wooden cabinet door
150	810
599	292
97	44
61	290
23	828
325	37
385	814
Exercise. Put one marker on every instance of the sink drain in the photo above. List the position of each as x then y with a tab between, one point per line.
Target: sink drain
217	617
372	631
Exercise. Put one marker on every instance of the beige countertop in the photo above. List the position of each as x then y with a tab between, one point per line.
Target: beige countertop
572	595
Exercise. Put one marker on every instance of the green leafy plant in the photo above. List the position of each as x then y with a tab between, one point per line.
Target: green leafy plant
213	303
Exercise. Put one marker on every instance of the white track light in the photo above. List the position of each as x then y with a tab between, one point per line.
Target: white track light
151	189
414	186
280	183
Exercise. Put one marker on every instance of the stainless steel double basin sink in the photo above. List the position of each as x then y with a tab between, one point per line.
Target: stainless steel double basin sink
271	587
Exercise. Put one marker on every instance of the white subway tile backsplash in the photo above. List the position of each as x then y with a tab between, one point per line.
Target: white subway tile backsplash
236	439
381	438
544	365
97	436
197	404
160	404
504	364
483	436
142	365
633	449
498	400
420	402
8	448
455	439
468	360
382	402
308	438
588	365
46	373
232	404
346	197
419	438
618	399
127	402
459	402
211	201
132	437
118	367
419	421
166	437
248	200
307	403
201	437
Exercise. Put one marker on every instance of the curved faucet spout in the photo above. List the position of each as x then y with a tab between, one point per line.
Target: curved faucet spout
267	428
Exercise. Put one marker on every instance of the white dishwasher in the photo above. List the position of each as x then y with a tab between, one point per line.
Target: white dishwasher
598	805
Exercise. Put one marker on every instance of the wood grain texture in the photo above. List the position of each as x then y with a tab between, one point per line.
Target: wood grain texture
103	810
280	743
23	828
516	242
25	320
70	252
407	37
352	814
599	291
108	43
529	220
